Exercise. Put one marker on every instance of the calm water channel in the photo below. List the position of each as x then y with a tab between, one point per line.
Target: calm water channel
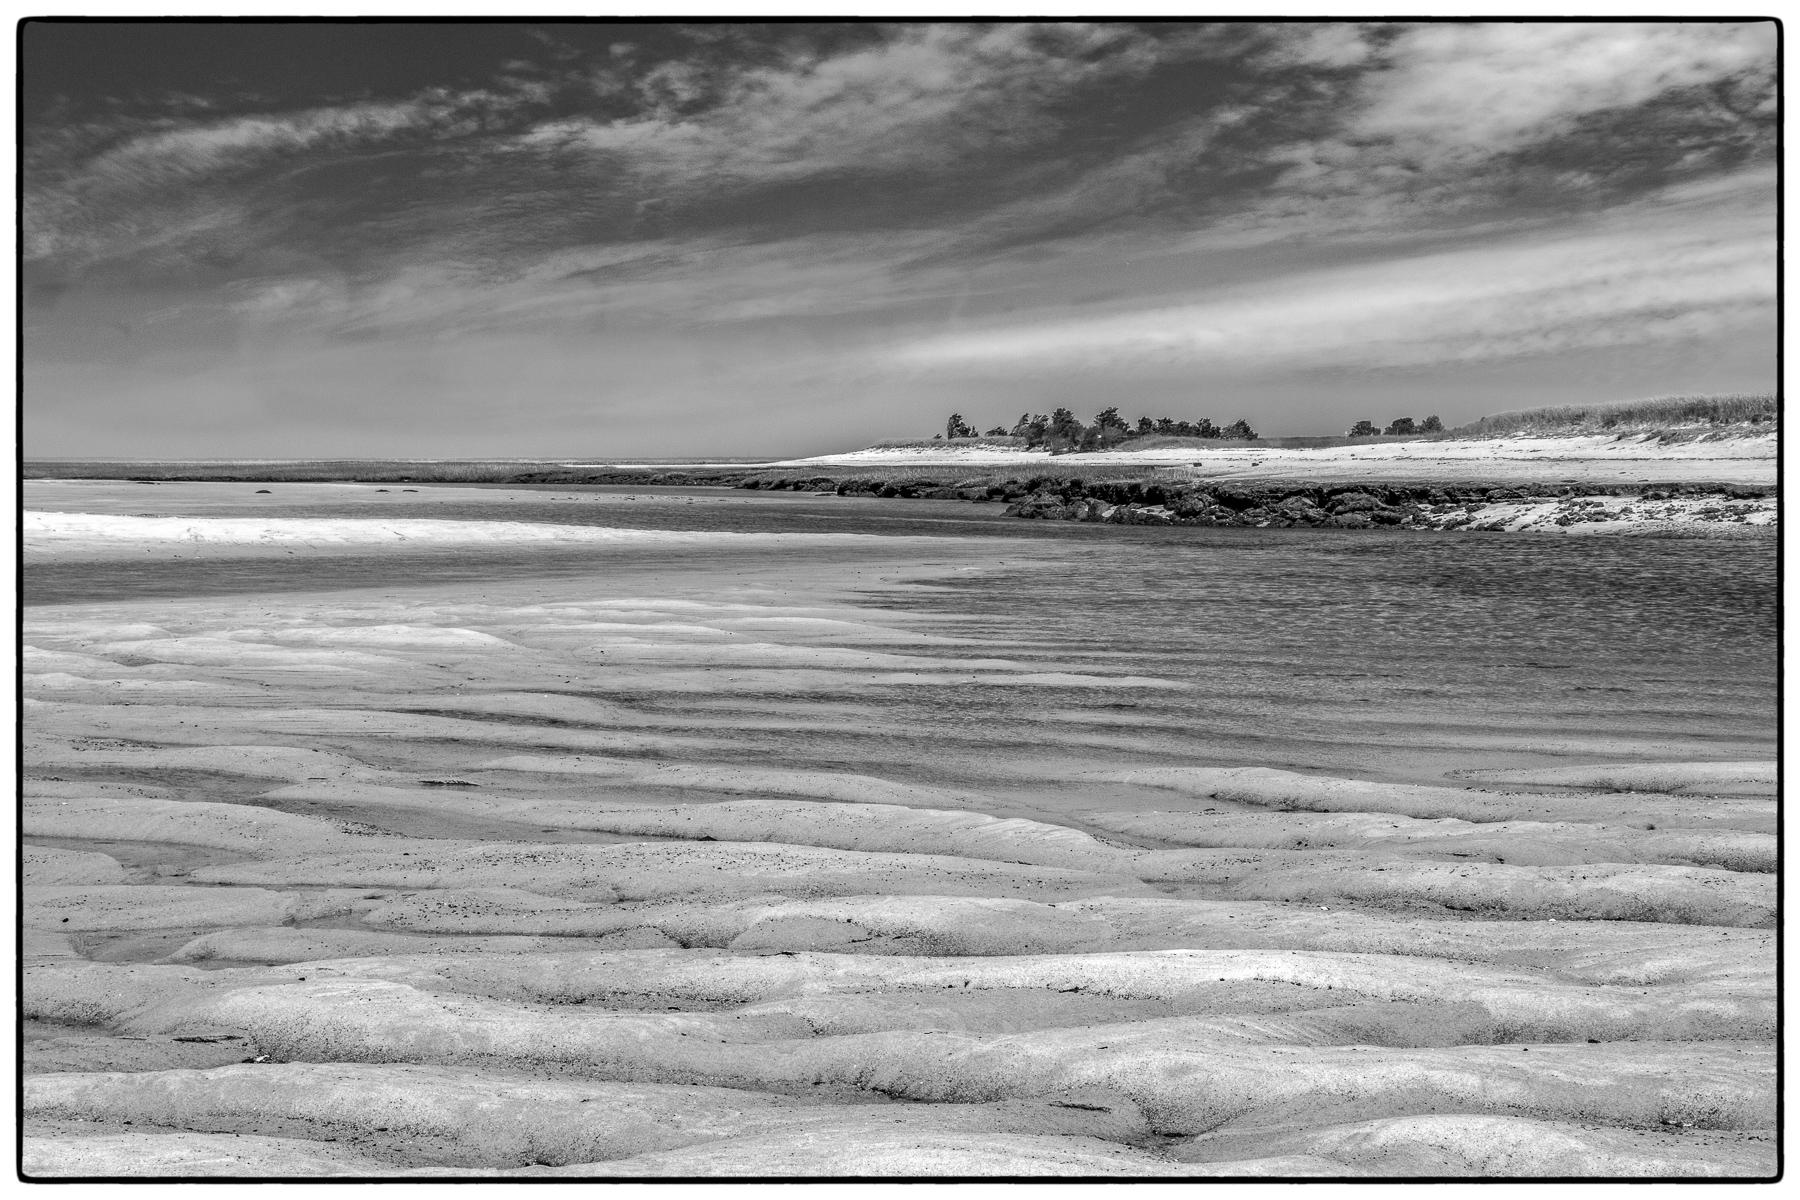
1382	652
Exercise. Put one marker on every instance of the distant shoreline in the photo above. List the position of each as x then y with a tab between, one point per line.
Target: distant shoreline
1702	482
1732	455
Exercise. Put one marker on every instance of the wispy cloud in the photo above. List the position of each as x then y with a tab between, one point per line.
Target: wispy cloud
982	126
1444	119
930	98
145	184
1635	278
1453	92
935	201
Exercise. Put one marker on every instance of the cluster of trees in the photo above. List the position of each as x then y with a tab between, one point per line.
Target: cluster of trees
1398	427
1063	430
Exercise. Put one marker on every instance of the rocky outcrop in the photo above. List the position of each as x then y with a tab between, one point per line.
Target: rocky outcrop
1475	506
1479	507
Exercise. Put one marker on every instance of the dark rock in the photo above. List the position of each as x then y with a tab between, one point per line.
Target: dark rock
1237	498
1039	507
1353	502
1299	508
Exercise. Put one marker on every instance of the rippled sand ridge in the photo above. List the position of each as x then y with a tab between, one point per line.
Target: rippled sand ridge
706	857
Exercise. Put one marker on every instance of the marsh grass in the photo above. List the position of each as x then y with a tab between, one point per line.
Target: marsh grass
1655	413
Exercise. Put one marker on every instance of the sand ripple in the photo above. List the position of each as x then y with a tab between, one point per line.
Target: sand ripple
572	885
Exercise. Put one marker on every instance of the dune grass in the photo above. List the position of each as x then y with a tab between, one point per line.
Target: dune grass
1169	441
1657	412
995	441
964	475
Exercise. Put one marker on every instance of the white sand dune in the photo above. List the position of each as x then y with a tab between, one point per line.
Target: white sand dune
1750	457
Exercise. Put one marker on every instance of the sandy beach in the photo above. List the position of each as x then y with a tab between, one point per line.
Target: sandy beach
1676	482
1626	457
1693	481
909	600
638	873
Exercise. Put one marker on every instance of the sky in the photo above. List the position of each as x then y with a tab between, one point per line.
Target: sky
607	239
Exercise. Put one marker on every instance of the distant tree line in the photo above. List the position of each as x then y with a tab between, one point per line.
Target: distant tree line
1398	427
1062	430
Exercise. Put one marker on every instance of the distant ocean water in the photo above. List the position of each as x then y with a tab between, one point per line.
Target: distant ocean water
548	460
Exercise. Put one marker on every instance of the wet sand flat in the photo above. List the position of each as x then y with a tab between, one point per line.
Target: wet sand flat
698	856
